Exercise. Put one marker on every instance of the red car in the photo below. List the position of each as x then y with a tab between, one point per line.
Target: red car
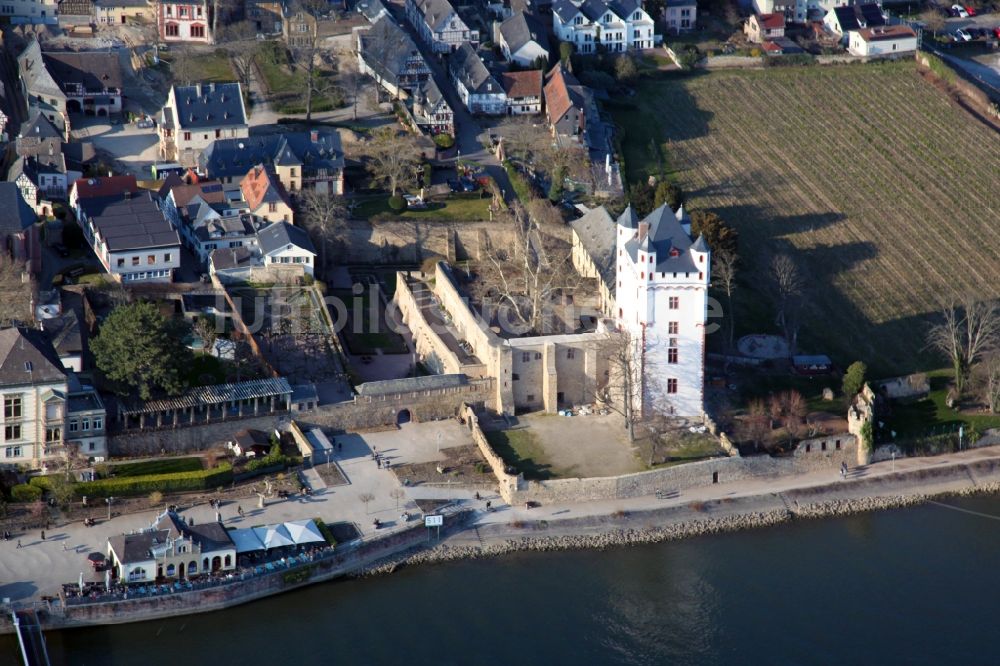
971	10
996	31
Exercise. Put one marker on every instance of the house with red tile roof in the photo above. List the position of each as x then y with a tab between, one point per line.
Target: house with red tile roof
96	188
524	91
762	27
265	196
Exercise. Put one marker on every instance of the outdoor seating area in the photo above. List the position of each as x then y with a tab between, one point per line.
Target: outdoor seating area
284	535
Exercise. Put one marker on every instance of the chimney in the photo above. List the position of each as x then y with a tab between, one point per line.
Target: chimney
314	136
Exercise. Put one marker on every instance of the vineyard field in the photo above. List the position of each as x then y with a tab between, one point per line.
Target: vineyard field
886	194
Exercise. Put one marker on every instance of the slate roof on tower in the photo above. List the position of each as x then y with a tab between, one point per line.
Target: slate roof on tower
661	233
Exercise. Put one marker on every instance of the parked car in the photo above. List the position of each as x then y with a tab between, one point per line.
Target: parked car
962	36
970	10
996	31
414	201
959	10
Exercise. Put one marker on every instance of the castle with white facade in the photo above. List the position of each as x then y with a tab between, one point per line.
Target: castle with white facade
661	291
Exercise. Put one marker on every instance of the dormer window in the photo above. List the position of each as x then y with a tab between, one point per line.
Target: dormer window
674	252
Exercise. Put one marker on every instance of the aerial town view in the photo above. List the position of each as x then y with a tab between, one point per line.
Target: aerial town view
499	331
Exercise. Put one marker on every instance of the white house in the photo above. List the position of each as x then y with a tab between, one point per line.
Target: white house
31	11
211	216
523	40
42	180
662	298
439	25
131	236
618	26
196	116
283	243
38	404
524	91
882	41
170	548
680	15
186	21
844	19
478	90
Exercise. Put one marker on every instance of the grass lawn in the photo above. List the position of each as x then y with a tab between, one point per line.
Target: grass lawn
208	67
286	86
521	450
932	415
869	193
453	209
374	334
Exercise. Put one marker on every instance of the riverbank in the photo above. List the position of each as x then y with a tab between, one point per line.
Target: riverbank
470	534
701	518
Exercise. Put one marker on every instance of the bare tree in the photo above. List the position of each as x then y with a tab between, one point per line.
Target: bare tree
623	392
351	81
967	332
933	21
397	494
528	276
325	217
205	328
393	158
19	292
316	82
788	409
240	44
991	381
365	499
182	66
787	286
756	425
724	268
531	142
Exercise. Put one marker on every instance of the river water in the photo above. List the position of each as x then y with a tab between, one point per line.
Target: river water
914	586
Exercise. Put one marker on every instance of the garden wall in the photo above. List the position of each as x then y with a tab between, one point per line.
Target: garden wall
509	483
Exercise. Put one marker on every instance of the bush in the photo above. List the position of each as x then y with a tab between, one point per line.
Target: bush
325	531
428	175
397	203
41	482
854	378
444	141
24	492
269	460
481	468
166	483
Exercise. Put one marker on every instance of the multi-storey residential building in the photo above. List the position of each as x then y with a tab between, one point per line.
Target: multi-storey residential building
439	25
680	15
523	40
265	196
617	26
524	92
38	405
299	27
42	180
478	90
119	12
209	217
388	55
184	21
662	298
131	236
265	15
195	116
311	160
30	11
431	110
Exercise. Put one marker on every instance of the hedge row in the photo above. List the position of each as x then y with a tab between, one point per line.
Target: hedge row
147	467
166	483
41	482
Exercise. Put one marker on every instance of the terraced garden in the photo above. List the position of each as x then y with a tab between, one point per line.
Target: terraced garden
886	193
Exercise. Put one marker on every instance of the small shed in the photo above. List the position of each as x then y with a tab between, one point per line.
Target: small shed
817	364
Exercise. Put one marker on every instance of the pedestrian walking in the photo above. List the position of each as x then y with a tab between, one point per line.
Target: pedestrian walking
18	543
477	495
489	505
64	547
43	535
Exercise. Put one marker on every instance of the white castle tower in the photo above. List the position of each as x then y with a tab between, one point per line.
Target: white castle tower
662	298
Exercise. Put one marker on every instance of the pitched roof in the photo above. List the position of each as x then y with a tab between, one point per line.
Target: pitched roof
36	76
771	21
133	548
466	66
211	536
281	234
520	29
886	33
235	257
65	333
209	191
565	10
130	223
15	213
207	105
38	126
558	98
388	50
661	232
27	357
94	70
92	188
596	231
523	84
261	186
225	158
435	12
372	9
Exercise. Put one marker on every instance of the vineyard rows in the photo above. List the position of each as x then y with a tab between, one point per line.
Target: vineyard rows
888	194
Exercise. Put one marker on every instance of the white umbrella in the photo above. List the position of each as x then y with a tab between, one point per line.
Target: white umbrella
81	582
107	579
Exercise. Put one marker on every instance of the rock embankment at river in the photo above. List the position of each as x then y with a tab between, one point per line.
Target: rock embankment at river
558	535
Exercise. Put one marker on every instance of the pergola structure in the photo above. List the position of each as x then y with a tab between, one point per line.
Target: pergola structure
204	404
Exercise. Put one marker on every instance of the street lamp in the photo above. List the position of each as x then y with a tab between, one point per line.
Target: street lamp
328	452
110	500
